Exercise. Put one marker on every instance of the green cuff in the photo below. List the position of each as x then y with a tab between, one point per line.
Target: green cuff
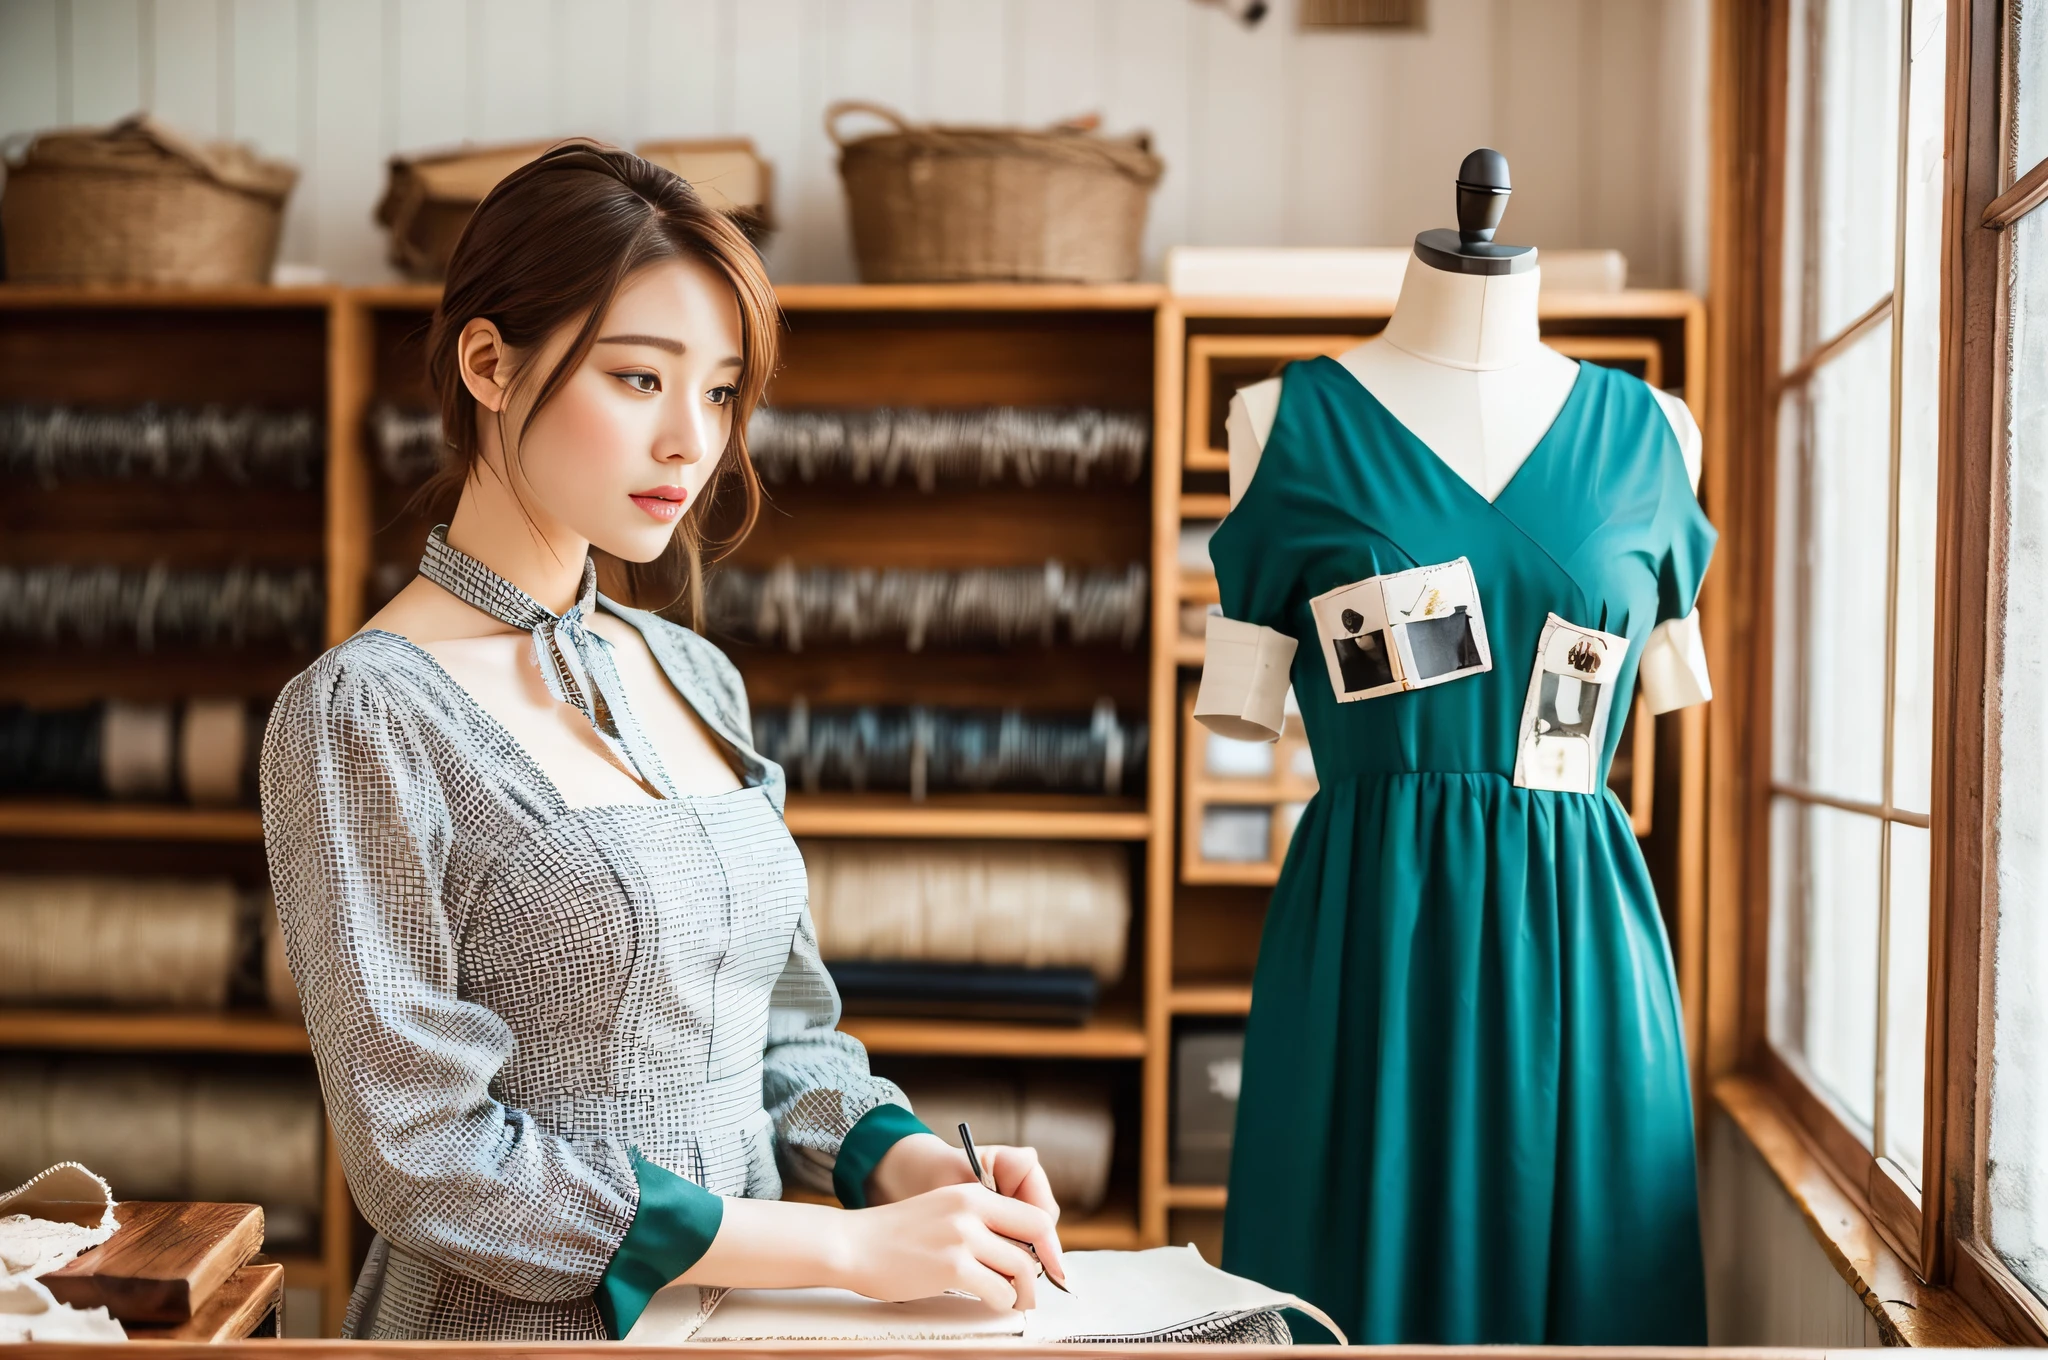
672	1228
866	1143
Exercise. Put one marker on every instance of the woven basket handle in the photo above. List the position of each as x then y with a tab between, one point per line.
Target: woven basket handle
841	108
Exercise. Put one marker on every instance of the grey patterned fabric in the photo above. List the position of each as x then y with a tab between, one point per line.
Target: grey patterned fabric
575	663
506	994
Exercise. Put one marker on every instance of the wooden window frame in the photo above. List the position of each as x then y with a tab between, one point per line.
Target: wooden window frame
1940	1234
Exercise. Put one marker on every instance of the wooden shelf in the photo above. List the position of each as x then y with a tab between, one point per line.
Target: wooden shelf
1189	651
153	1031
1196	1196
1202	505
1106	1036
1213	999
128	821
75	296
885	297
856	816
1628	304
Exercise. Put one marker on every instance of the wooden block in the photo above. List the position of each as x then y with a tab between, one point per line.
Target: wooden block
231	1313
163	1261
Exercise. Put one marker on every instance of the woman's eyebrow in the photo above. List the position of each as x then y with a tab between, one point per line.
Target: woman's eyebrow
657	341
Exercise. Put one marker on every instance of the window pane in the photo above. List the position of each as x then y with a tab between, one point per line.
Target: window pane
1823	947
2017	1170
2030	87
1828	597
1919	322
1905	1039
1841	165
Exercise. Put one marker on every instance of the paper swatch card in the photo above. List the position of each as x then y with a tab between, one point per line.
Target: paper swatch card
1565	716
1401	631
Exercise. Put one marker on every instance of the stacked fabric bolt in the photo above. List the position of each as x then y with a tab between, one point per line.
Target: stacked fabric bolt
927	447
161	443
140	942
1003	606
1028	445
148	606
1069	1125
163	1131
933	750
203	750
408	443
971	929
1017	903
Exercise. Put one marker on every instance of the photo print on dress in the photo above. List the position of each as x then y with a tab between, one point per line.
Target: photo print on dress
1404	630
1564	718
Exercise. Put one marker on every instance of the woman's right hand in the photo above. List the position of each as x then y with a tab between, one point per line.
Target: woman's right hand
951	1238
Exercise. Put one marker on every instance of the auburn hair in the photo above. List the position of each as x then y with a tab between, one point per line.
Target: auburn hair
550	247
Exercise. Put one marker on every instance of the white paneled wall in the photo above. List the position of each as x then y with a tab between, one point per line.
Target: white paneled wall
1768	1281
1272	136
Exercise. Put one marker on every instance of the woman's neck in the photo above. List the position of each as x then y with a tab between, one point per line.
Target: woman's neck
1468	321
522	545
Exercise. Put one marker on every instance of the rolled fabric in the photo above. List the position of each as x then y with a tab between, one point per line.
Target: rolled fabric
254	1139
120	941
137	748
1075	1136
1018	903
1068	1124
280	989
213	751
24	1103
51	751
168	1132
127	1121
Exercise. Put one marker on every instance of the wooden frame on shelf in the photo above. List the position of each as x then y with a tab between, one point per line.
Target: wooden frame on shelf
1202	788
1201	454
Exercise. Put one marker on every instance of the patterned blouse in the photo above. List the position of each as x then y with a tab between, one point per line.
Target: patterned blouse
549	1038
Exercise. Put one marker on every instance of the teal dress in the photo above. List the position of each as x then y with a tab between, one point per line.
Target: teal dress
1465	1115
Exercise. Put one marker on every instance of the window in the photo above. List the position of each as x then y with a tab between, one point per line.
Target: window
1852	580
2016	1161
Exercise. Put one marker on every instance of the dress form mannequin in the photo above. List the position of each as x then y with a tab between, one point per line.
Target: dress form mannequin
1462	365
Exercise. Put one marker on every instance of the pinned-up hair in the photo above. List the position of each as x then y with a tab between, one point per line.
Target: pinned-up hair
551	246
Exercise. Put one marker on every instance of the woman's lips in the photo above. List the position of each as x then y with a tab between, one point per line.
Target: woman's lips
664	503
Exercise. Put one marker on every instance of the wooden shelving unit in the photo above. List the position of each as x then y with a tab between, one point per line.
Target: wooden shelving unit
1192	945
269	347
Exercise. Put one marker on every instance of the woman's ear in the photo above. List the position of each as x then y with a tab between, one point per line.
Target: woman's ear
485	362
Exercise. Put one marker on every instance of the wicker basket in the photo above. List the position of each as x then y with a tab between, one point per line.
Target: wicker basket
957	204
136	203
429	198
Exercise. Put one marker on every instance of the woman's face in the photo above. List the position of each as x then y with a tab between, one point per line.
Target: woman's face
627	445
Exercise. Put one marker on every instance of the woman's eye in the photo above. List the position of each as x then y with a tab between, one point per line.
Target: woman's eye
719	396
642	382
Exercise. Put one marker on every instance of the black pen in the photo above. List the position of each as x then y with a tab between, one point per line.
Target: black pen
988	1182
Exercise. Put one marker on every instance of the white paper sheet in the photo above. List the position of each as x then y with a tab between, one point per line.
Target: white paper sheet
1117	1295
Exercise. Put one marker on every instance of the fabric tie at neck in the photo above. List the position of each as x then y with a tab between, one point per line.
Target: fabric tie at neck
575	661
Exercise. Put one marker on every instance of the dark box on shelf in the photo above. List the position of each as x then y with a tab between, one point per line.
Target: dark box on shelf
1207	1068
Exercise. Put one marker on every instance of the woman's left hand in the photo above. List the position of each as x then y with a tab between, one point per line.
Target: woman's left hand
925	1161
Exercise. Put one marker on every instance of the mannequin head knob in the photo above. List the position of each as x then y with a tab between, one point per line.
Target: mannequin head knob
1483	190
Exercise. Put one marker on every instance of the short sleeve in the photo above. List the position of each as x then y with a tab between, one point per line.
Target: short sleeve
1688	551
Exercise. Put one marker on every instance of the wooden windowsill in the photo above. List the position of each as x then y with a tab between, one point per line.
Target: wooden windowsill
1908	1312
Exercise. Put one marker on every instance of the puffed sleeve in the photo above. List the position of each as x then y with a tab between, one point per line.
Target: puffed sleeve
358	834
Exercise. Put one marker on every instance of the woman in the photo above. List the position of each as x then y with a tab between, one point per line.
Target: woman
548	926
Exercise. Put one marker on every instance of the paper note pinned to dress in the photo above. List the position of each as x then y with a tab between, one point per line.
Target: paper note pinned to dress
1401	631
1117	1296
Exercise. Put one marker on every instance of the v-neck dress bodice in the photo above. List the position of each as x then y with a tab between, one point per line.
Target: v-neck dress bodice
1465	1115
547	1035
